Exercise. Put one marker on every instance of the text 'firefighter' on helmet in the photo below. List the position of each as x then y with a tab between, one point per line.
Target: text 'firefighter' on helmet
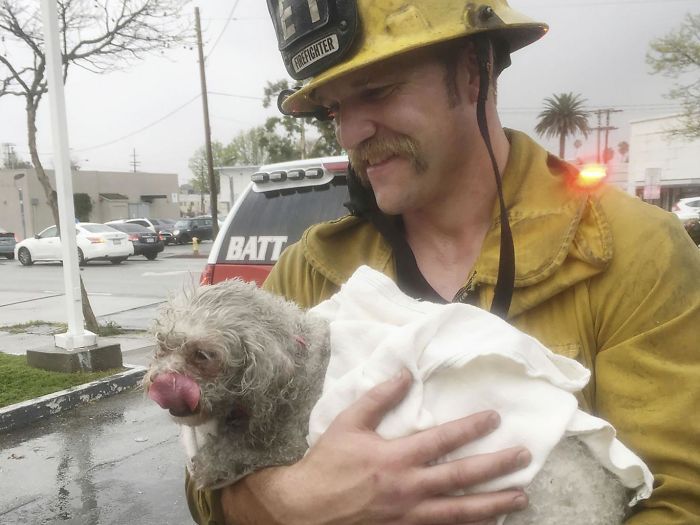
321	40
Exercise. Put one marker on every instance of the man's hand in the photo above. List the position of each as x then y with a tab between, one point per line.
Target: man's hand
354	476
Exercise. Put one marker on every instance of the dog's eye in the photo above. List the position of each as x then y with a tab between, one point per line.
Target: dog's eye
201	355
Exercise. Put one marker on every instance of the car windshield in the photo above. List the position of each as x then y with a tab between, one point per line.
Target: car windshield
131	228
268	222
97	228
182	224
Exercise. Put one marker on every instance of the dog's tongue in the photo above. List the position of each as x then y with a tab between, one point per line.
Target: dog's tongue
175	392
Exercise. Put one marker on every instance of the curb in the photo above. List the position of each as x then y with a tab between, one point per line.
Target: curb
26	412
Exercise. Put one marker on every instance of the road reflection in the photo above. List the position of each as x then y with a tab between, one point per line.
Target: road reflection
114	461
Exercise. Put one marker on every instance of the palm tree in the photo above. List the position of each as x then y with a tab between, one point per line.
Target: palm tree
623	149
577	146
563	116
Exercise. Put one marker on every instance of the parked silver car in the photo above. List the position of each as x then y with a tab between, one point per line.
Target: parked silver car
7	244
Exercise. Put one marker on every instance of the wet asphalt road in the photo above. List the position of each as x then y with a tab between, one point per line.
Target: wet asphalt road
114	461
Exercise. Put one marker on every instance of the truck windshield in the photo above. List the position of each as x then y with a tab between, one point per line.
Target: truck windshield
266	223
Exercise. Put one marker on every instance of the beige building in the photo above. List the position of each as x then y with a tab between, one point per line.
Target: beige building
114	195
663	167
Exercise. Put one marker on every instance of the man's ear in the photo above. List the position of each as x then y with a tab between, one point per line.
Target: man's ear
469	67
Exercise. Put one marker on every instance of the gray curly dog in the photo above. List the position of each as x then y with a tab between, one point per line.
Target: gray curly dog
253	365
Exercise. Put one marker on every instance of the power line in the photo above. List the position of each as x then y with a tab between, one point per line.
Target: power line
234	19
140	129
158	121
234	95
228	21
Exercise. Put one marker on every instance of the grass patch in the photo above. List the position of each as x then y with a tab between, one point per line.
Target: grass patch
20	382
23	327
110	328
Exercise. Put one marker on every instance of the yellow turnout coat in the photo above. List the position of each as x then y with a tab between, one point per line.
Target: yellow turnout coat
600	277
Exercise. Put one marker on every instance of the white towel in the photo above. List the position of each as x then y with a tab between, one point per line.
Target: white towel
463	360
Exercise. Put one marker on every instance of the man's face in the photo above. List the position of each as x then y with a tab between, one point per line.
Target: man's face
402	134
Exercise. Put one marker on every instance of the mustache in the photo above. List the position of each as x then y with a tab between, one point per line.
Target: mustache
378	149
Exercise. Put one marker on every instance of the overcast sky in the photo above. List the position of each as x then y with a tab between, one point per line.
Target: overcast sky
595	48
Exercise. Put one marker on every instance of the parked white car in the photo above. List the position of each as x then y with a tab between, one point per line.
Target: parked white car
95	242
688	208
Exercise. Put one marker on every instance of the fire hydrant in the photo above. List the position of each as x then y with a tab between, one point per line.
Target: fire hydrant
195	245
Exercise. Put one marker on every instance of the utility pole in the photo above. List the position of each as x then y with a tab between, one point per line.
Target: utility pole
213	197
607	128
302	135
134	162
607	124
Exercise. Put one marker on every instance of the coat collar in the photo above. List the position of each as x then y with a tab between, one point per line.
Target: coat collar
560	233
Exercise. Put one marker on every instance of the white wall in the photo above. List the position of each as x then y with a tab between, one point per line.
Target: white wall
234	179
651	147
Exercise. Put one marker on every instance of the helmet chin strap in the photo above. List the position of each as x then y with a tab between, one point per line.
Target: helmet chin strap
505	283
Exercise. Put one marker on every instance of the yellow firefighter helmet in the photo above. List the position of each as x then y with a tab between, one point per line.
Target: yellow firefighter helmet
321	40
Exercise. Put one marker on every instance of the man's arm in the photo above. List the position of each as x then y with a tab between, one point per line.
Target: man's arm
353	475
647	320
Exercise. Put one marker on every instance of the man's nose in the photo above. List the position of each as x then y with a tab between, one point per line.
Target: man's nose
354	125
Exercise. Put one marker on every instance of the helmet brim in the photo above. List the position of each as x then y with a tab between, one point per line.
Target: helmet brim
300	102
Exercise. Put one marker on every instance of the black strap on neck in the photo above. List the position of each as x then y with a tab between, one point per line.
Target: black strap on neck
409	278
505	283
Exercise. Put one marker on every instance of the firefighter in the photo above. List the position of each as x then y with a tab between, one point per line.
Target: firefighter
456	208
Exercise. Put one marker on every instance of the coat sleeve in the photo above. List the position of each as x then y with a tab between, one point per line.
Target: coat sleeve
646	310
296	280
204	505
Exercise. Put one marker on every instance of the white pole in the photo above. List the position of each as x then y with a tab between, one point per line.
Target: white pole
77	336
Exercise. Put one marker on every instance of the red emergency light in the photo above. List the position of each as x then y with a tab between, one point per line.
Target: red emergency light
591	176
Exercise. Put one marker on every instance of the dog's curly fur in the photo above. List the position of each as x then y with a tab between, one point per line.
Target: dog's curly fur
259	363
258	378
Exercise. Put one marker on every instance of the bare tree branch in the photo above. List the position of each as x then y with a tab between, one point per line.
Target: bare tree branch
96	35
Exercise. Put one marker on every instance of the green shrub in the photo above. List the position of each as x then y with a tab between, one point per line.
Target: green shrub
83	206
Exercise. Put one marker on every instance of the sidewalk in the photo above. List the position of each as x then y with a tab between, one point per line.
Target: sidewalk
137	349
135	314
131	313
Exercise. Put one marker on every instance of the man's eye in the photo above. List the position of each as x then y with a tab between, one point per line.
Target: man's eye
377	93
